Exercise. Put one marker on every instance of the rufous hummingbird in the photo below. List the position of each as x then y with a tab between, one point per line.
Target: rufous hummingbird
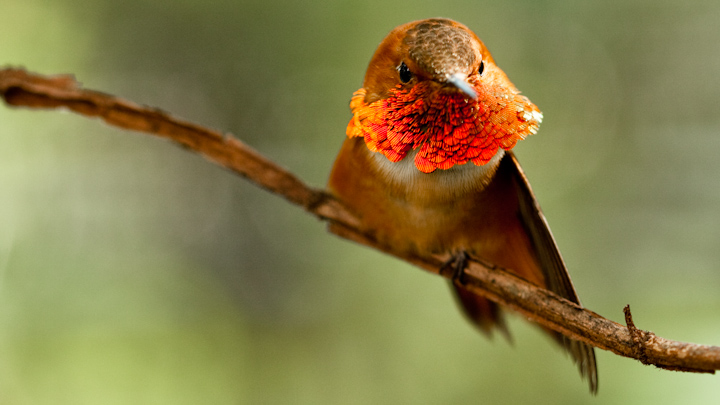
427	165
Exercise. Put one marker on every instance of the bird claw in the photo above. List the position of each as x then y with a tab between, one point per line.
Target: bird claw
457	264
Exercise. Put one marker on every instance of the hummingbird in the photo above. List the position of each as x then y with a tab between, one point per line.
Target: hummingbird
427	165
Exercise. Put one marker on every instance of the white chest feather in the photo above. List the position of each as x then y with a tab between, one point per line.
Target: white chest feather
404	177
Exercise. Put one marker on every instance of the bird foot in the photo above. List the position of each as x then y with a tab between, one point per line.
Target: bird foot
457	265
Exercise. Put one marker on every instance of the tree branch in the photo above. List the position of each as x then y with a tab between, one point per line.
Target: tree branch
22	89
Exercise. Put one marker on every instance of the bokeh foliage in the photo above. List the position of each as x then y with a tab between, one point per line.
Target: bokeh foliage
132	271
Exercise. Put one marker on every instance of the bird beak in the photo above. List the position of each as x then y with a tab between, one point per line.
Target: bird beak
458	80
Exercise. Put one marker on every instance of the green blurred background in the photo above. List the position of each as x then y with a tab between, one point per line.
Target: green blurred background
132	271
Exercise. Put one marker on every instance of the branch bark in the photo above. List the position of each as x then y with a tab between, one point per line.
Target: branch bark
23	89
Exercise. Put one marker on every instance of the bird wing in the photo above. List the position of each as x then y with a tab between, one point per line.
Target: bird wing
553	267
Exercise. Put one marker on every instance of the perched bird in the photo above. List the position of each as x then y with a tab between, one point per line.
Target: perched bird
427	165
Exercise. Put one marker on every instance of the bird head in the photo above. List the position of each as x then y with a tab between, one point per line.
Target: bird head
432	86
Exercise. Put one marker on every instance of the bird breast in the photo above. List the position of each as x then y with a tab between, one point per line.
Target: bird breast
440	186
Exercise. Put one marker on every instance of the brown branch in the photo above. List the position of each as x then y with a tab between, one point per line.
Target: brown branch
22	89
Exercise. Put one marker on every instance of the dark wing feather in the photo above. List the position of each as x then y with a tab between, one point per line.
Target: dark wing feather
553	267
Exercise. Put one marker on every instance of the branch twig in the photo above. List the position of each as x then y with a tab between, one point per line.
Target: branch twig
22	89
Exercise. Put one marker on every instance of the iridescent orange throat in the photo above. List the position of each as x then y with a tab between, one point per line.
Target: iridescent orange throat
449	128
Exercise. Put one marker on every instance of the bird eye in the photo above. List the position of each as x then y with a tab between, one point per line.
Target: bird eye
481	68
405	73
